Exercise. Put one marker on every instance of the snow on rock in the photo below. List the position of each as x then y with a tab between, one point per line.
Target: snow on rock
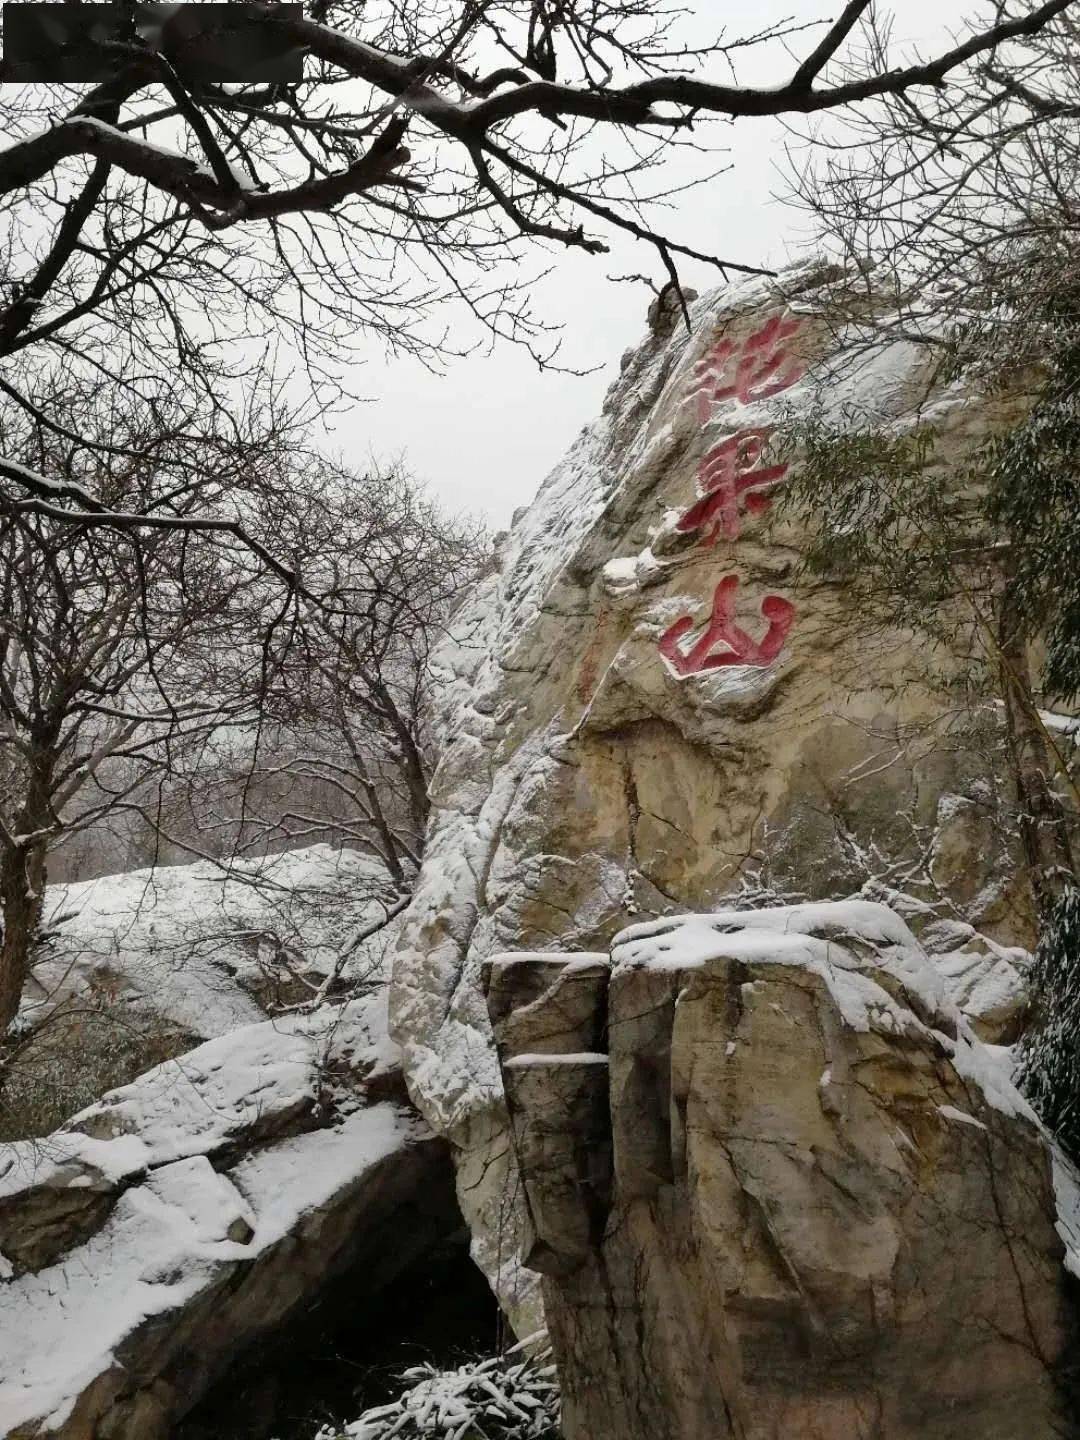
169	1242
878	974
1067	1192
504	1397
193	944
1068	725
990	986
244	1088
857	947
622	738
164	1229
578	1057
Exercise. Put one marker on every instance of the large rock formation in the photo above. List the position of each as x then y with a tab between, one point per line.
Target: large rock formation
185	1217
777	1188
646	709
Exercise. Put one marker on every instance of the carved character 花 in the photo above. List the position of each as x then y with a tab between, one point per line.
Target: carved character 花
761	366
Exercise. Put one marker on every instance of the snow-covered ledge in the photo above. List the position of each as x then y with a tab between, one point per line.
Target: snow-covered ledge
185	1216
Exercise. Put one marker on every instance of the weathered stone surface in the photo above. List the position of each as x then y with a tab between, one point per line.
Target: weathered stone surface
171	1226
546	1004
385	1215
549	1016
827	1214
585	782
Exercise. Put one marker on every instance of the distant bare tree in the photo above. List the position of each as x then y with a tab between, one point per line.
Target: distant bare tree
111	645
338	749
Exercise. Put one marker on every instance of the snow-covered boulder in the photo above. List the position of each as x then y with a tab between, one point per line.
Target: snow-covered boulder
200	946
137	968
777	1188
167	1228
648	708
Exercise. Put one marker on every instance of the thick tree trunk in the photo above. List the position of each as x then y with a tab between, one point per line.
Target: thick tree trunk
22	896
1044	831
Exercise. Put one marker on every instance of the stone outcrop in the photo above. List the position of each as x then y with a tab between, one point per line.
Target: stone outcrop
777	1188
183	1218
649	707
200	944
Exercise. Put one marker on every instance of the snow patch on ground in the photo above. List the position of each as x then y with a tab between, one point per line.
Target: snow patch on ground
182	941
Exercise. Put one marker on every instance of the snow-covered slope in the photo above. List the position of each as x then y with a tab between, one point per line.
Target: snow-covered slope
183	1216
199	945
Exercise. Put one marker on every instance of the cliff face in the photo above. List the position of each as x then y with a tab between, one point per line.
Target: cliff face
776	1188
645	710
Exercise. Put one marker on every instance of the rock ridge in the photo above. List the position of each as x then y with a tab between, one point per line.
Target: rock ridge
649	708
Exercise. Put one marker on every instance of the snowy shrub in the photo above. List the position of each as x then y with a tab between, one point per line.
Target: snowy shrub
49	1074
506	1397
1050	1064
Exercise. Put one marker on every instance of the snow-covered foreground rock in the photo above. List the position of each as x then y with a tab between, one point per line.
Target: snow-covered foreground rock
648	709
185	1216
777	1188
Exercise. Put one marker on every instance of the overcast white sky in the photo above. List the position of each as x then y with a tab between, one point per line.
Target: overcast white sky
484	435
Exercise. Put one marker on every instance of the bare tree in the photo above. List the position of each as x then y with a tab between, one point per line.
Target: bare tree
166	683
111	646
147	222
340	749
956	213
958	204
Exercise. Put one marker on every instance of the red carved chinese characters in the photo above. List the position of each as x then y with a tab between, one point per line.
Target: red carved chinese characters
732	482
731	479
761	366
739	649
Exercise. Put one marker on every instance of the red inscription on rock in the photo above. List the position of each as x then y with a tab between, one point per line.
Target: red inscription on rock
731	480
761	366
722	631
